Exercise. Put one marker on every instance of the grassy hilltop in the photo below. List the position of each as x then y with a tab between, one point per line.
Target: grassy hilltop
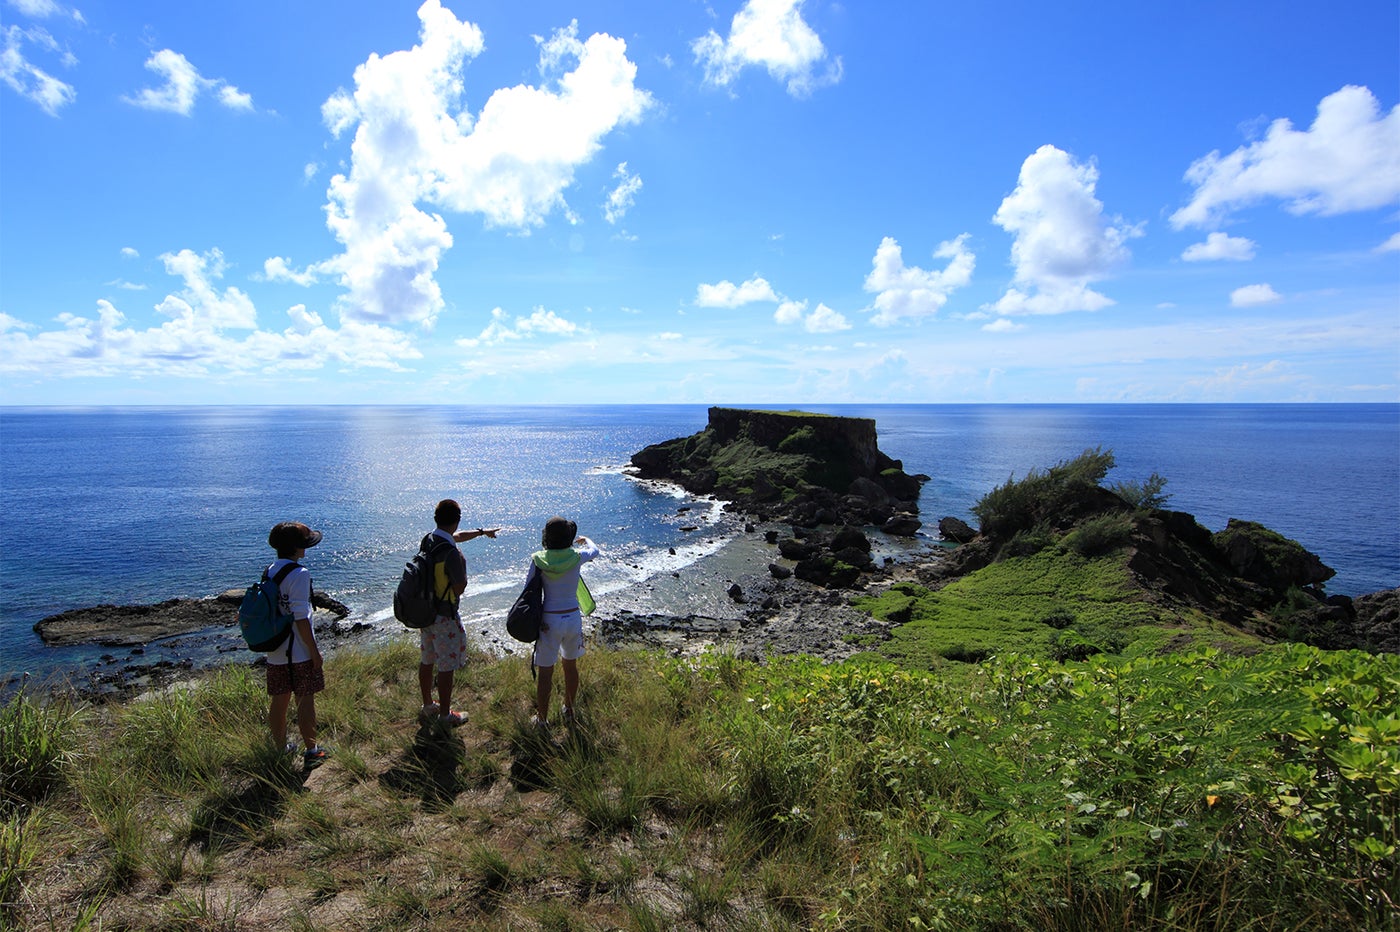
1044	742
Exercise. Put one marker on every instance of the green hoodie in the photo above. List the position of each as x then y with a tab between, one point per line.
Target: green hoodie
555	563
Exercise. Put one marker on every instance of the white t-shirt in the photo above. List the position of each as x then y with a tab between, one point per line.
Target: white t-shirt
294	599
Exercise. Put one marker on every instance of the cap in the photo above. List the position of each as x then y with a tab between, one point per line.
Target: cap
292	535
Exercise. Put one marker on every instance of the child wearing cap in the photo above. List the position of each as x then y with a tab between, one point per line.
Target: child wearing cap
295	669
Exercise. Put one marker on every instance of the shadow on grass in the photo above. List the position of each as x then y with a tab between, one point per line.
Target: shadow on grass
533	752
240	811
430	769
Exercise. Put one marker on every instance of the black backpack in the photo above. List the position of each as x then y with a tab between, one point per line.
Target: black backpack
525	616
416	602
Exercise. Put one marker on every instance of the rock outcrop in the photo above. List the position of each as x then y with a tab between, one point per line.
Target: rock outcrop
810	469
131	625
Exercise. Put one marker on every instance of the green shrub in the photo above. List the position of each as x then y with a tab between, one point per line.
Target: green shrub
1095	537
1040	496
1145	495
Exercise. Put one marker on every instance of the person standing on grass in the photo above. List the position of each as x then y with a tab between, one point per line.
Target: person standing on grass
566	601
443	644
296	668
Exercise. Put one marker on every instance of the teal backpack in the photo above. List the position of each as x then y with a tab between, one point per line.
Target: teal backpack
265	628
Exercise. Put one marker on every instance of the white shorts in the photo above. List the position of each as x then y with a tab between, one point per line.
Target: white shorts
560	636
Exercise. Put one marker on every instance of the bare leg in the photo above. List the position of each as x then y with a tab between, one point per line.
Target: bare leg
570	683
444	687
542	689
277	719
306	719
425	683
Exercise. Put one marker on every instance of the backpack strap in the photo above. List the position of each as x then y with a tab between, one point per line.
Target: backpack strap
282	574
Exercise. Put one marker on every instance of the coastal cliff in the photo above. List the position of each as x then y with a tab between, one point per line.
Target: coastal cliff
811	469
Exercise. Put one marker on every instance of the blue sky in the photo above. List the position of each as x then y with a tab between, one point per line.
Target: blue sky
734	201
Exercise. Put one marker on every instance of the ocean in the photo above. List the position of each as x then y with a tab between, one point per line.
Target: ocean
133	505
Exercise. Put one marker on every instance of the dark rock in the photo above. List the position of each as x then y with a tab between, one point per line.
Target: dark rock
794	549
736	592
850	538
956	530
1268	558
778	571
1377	624
902	525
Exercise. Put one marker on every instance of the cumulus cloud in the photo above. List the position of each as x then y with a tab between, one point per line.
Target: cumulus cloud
1348	160
130	253
415	142
825	320
278	269
503	328
728	294
1254	295
195	340
182	87
911	292
621	198
29	80
1003	325
773	35
1220	246
1063	242
1390	245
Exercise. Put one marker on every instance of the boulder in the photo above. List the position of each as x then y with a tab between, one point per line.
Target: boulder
902	525
956	530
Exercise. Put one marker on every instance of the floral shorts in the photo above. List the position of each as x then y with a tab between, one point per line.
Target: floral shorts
300	678
443	644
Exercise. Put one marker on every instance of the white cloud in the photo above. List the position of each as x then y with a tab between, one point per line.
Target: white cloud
728	294
1254	295
194	341
790	312
503	329
415	143
1390	245
1003	325
126	285
770	33
1348	160
43	9
309	171
278	269
1219	246
911	292
182	87
130	253
621	198
27	79
1063	241
825	320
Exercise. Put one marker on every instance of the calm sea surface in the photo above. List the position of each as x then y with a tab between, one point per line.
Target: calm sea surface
129	505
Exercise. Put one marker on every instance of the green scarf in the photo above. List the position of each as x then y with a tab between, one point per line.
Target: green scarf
556	563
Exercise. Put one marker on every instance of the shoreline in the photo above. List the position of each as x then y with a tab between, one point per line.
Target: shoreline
682	612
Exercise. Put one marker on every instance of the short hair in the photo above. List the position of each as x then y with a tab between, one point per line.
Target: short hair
447	513
558	533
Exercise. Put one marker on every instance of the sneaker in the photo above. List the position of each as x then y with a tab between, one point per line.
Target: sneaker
315	756
452	719
539	722
290	747
568	715
430	712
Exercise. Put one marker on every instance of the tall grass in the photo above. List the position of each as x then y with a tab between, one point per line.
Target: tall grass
1186	792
